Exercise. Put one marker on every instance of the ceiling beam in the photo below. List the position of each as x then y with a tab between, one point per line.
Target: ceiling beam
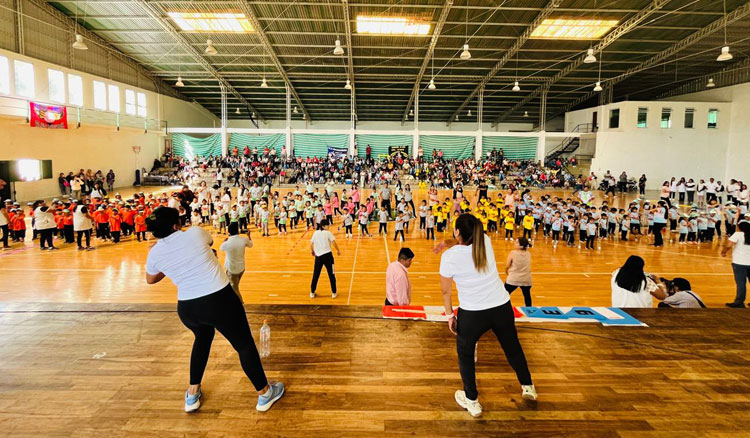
546	12
608	39
715	26
349	49
426	61
155	13
261	34
733	74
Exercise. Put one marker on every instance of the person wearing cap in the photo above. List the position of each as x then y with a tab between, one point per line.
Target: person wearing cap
397	284
115	225
4	224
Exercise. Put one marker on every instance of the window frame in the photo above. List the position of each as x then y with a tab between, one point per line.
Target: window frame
142	110
637	117
715	111
105	102
612	113
130	102
4	75
78	99
16	64
668	112
60	76
113	98
690	111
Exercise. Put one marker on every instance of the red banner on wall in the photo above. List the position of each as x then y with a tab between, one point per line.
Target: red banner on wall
48	116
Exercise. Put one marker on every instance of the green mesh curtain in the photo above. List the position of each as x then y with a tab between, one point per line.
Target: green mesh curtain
453	146
514	148
188	146
316	145
272	141
380	143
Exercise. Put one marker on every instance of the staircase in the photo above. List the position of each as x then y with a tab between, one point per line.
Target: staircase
570	144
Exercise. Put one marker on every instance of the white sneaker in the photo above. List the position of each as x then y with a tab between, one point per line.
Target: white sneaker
473	406
312	294
333	296
528	392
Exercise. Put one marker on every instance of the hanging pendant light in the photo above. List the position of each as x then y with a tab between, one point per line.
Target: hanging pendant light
338	50
295	110
598	86
79	44
411	112
264	84
710	83
724	55
456	117
238	111
516	87
468	113
465	54
590	58
210	49
525	113
179	82
432	86
348	85
253	116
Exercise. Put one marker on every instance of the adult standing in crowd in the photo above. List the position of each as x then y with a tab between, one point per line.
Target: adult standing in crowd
83	223
44	223
623	182
397	284
320	247
632	287
739	243
642	184
518	270
4	221
205	303
483	305
110	180
234	258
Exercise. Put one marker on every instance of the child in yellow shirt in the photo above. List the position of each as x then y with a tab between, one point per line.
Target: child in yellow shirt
510	224
528	224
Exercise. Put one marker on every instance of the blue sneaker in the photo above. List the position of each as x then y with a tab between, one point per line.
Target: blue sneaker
193	402
276	390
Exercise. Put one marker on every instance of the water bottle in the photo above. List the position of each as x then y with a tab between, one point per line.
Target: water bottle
265	339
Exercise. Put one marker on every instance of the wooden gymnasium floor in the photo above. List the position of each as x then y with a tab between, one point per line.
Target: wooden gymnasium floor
279	270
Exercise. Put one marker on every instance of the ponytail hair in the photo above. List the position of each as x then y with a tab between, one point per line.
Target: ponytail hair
472	233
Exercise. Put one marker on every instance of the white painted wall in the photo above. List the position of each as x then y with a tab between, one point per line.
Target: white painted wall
660	153
739	125
97	144
384	126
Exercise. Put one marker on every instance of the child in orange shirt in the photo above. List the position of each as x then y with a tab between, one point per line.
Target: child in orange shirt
19	226
68	226
102	223
140	225
115	222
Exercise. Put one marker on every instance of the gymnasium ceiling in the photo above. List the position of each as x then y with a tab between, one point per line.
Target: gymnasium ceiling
294	41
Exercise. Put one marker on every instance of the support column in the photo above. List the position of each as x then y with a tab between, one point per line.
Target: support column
20	40
415	139
288	128
224	137
543	109
478	146
541	145
352	120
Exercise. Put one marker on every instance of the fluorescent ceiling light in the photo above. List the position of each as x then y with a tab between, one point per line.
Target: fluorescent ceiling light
573	29
211	21
391	26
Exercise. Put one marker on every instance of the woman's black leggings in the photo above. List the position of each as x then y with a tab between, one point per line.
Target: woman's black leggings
526	290
86	233
46	237
221	311
471	326
321	261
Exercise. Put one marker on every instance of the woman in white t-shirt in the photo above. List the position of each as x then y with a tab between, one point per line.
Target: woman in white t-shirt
206	302
632	287
483	305
82	225
739	243
44	223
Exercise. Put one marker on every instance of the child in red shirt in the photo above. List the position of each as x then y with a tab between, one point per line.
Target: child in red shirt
19	226
140	225
115	222
102	223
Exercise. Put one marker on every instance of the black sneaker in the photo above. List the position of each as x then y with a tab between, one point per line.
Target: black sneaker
736	305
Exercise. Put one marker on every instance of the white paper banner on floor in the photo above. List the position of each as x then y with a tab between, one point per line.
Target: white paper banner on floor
606	316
